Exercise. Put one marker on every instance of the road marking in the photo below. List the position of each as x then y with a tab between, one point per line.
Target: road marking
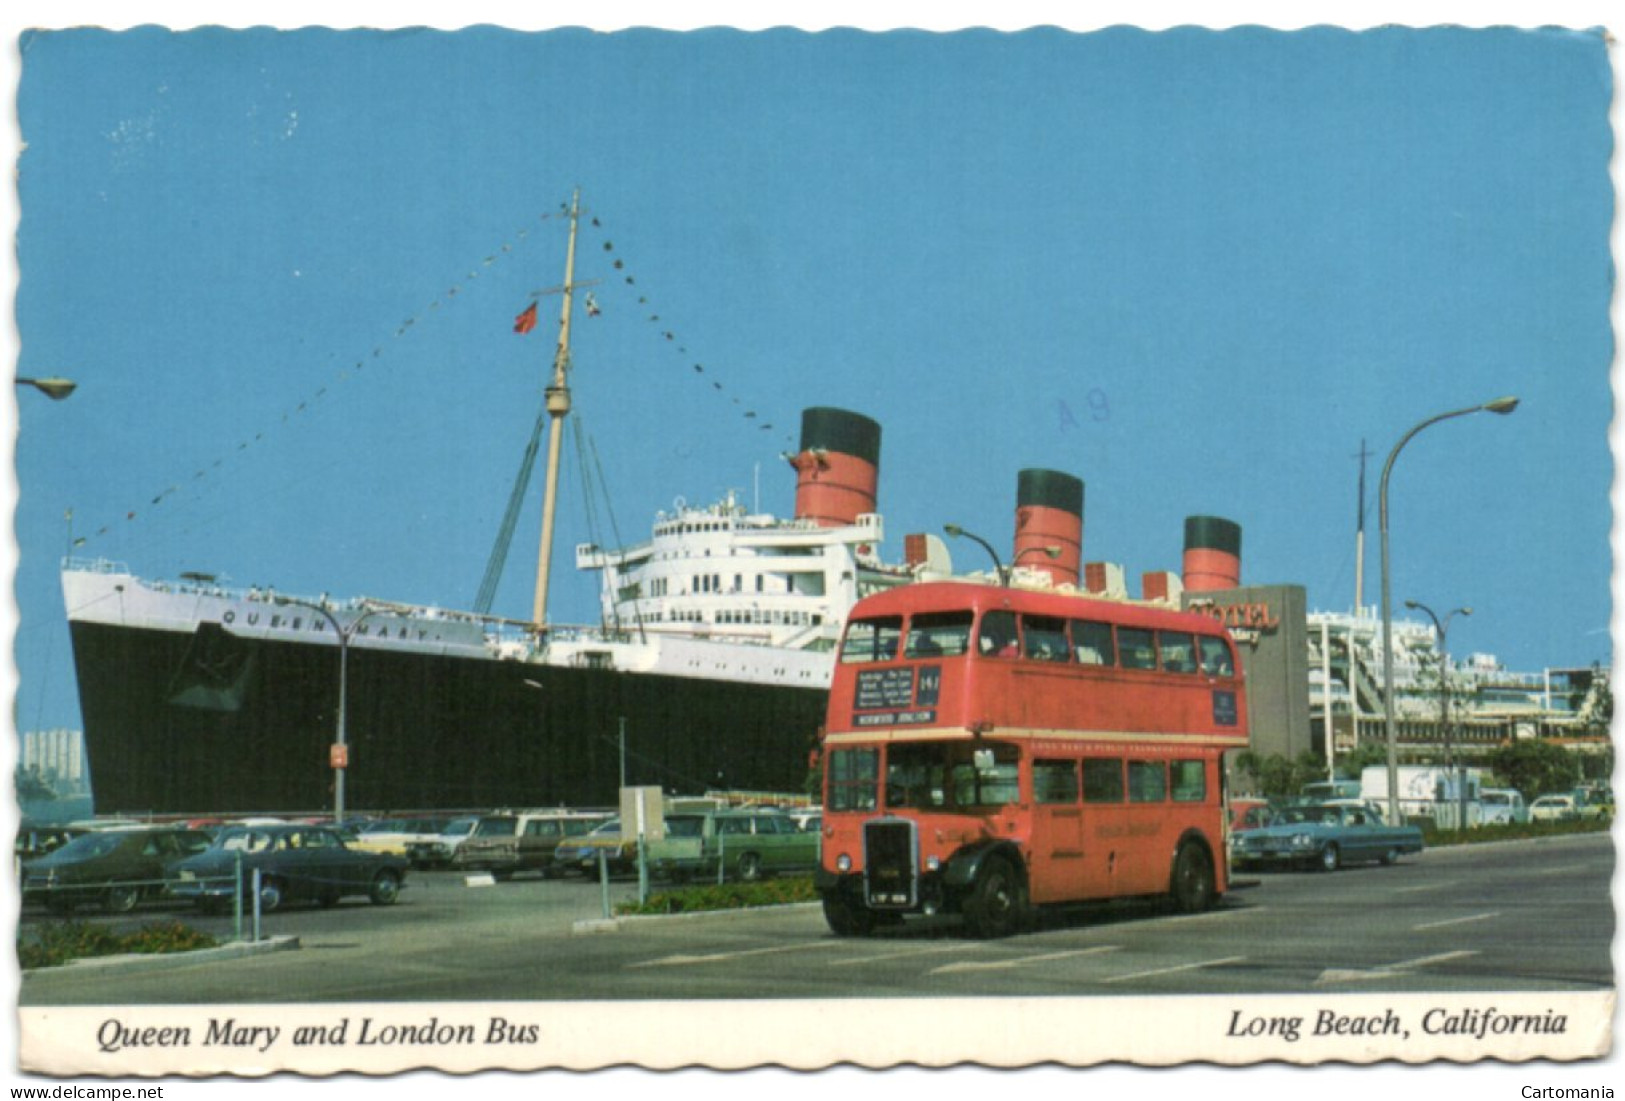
1419	887
999	965
1455	921
715	957
1388	971
1173	970
903	955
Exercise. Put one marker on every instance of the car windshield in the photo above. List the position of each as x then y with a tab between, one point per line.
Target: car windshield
89	845
497	827
459	827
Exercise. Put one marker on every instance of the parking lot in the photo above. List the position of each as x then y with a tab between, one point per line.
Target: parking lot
1506	916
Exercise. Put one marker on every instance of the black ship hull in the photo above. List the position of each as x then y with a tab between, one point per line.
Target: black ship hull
183	723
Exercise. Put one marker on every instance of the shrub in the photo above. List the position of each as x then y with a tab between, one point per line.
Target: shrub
58	942
725	896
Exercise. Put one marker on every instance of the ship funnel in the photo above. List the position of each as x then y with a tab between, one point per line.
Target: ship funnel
1049	524
838	467
1212	554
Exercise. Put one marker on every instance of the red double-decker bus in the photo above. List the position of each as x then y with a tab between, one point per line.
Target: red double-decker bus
993	749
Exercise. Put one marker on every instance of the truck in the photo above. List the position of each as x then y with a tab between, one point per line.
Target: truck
1433	792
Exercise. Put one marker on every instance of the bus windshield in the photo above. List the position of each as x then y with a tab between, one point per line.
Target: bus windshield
951	775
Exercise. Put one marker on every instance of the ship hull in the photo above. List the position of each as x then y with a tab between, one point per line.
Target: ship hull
195	721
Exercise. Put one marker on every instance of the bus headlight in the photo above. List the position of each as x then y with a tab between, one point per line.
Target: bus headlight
843	863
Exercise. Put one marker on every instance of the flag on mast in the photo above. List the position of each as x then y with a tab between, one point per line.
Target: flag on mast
526	321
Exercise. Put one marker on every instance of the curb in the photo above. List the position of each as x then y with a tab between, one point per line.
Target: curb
150	961
616	924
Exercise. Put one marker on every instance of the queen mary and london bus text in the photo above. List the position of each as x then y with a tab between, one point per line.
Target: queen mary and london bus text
992	749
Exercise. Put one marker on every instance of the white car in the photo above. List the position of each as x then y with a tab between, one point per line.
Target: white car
1554	808
1503	806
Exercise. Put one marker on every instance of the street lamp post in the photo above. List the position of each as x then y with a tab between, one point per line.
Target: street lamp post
340	757
54	388
1441	628
956	531
1499	405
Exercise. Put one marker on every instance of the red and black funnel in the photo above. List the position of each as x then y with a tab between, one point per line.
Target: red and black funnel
1049	524
838	466
1212	554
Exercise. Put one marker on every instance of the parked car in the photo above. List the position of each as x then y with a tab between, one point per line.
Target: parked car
1503	807
438	851
747	845
113	869
1554	808
1248	812
393	835
523	841
1592	803
35	840
1326	835
295	862
580	855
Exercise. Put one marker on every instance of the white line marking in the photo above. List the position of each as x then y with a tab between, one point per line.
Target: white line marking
714	957
1172	970
1388	971
1001	965
1455	921
904	955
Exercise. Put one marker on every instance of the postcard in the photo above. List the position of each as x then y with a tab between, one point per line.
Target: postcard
779	548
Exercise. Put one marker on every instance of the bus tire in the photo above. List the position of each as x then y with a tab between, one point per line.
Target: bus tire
997	903
1192	889
845	918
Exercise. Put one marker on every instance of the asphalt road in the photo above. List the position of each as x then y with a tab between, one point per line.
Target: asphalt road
1514	916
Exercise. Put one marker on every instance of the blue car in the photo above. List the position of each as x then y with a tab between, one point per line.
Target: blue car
1324	836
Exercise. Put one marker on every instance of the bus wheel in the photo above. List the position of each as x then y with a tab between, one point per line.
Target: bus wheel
845	918
997	903
1193	880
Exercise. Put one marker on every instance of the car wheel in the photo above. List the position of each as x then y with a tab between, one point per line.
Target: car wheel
1391	856
121	898
385	889
1330	858
847	919
997	904
750	868
1193	880
272	895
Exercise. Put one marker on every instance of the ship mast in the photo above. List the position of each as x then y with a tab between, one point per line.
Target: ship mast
558	406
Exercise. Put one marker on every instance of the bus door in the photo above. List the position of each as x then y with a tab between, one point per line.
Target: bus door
1058	872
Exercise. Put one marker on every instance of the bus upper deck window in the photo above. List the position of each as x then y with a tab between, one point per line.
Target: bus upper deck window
1178	651
1135	648
998	635
1216	659
1044	637
871	640
938	634
1092	643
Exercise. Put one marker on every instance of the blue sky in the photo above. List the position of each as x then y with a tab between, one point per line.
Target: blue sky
1194	269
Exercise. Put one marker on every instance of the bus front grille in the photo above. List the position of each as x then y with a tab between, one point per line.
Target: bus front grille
890	863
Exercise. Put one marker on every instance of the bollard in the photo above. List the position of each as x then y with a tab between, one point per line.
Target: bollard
643	871
722	857
603	880
237	902
256	905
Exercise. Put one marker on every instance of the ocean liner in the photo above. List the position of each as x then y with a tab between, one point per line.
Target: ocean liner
712	663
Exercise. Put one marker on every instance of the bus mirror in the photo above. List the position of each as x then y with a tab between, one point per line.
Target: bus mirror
983	760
